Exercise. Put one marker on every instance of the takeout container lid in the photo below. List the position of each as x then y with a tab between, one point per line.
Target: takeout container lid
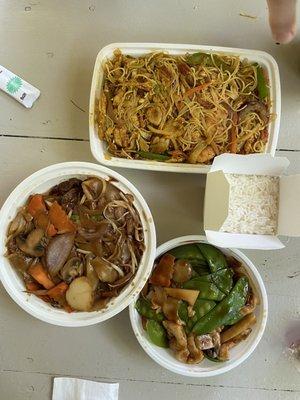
216	200
238	354
40	182
99	148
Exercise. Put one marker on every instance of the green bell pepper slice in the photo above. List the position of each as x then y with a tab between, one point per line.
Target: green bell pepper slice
153	156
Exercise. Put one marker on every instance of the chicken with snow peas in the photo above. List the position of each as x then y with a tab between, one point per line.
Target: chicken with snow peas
198	302
78	245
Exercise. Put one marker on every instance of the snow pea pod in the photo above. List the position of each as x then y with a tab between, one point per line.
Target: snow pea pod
201	307
223	312
143	307
262	87
157	333
213	256
221	278
199	268
208	290
153	156
189	252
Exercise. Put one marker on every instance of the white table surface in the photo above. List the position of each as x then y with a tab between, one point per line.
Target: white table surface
53	44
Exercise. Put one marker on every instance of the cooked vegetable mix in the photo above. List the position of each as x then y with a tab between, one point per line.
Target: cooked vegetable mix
78	245
197	315
187	108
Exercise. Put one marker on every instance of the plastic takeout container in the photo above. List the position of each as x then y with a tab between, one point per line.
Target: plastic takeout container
217	200
40	182
238	354
98	147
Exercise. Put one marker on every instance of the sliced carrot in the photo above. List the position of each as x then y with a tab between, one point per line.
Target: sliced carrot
32	286
58	217
36	205
196	89
58	291
38	272
42	221
51	231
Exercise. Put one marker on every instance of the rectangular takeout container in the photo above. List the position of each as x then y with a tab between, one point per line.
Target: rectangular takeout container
98	147
217	192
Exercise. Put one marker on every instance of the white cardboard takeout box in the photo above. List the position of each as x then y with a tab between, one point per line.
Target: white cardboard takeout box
217	200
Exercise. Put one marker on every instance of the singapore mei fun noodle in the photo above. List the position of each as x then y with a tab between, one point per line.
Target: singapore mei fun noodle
186	108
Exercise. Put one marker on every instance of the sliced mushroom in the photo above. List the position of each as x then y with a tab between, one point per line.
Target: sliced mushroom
58	252
104	270
91	274
182	271
17	225
93	188
122	281
32	245
72	269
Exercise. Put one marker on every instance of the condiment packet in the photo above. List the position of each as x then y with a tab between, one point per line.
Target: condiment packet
81	389
17	88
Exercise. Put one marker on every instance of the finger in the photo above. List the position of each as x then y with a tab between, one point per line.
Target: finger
282	18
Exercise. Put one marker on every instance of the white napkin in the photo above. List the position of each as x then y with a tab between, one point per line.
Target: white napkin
81	389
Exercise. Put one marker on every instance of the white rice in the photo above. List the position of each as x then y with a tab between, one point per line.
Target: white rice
253	204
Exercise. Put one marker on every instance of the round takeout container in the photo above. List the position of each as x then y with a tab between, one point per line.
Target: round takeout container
40	182
238	354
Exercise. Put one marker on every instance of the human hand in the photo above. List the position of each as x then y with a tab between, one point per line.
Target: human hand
282	18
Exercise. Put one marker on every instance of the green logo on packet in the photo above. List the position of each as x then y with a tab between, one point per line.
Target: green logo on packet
14	85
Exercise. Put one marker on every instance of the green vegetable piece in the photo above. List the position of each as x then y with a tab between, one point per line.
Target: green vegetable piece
213	256
235	318
223	312
183	311
200	269
189	252
262	87
143	307
221	278
201	307
75	217
153	156
212	358
197	58
208	290
157	333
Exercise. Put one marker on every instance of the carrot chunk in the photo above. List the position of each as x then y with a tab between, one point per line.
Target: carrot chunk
58	217
38	272
36	205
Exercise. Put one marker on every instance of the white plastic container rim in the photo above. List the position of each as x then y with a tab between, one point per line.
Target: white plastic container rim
238	354
98	147
40	182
